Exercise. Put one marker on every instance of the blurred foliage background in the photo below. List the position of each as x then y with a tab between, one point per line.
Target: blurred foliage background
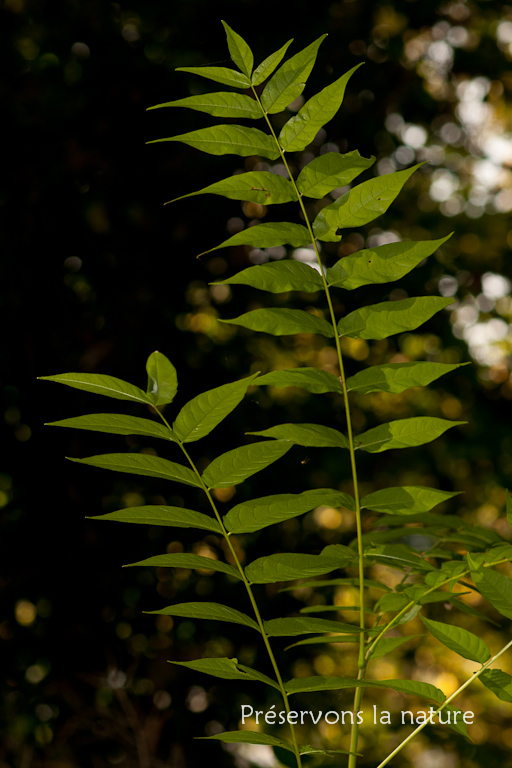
96	274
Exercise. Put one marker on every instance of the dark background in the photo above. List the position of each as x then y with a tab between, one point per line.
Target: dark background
96	274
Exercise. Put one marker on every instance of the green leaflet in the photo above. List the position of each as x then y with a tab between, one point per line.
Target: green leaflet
458	639
185	560
508	500
389	644
269	64
338	582
288	567
235	466
378	321
330	171
425	690
307	435
268	235
499	682
397	377
278	277
331	608
283	322
219	105
256	186
399	556
361	204
101	385
442	521
383	264
162	379
228	140
381	537
408	500
219	75
303	625
249	737
143	464
116	424
310	379
256	514
213	611
323	639
494	586
203	413
239	50
290	79
302	128
404	433
177	517
343	554
228	669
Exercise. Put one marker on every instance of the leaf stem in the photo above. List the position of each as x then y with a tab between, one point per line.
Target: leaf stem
362	659
247	585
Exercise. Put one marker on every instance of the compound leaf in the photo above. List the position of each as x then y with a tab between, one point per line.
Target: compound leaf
290	79
458	639
203	413
278	277
177	517
186	560
307	435
222	75
143	464
101	385
378	321
288	567
228	140
213	611
239	50
397	377
283	322
162	379
330	171
235	466
222	104
404	433
406	500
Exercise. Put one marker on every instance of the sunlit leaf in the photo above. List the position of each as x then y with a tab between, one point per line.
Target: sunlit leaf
458	639
228	140
310	379
287	567
268	66
101	385
407	500
213	611
278	277
255	186
177	517
203	413
227	669
283	322
239	50
404	433
222	104
116	424
307	435
397	377
162	379
255	514
236	466
301	129
330	171
222	75
290	79
186	560
382	264
378	321
268	235
143	464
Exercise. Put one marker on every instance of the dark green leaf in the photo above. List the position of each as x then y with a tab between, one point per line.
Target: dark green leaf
228	669
508	502
235	466
330	171
219	75
407	500
323	639
287	567
268	235
256	514
228	140
116	424
267	66
239	50
458	639
249	737
143	464
101	385
337	582
442	521
162	379
499	682
255	186
303	684
177	517
404	433
343	554
307	435
301	129
389	644
378	321
186	560
213	611
494	586
332	608
290	79
397	377
203	413
303	625
383	264
278	277
222	104
398	555
283	322
361	204
310	379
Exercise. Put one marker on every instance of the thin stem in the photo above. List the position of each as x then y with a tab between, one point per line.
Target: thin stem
361	660
247	585
443	705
